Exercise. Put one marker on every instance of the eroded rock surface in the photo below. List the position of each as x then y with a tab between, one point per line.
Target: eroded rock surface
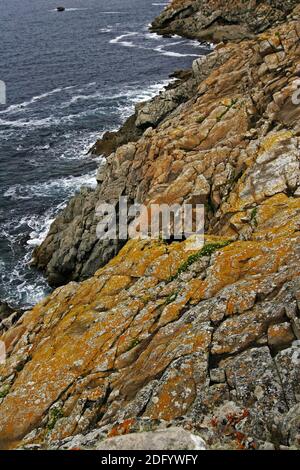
162	334
169	439
218	20
239	126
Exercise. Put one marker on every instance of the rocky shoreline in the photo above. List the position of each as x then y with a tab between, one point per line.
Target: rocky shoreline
149	335
72	251
218	20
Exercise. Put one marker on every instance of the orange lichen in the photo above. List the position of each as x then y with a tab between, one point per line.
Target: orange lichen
122	428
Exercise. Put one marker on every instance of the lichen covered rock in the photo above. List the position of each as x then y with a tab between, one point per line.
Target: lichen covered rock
160	334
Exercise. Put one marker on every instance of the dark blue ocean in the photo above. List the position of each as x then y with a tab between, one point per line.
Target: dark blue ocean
70	76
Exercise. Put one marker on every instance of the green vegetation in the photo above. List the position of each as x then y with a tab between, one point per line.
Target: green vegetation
228	107
207	250
54	415
200	119
134	343
4	391
219	118
171	298
253	216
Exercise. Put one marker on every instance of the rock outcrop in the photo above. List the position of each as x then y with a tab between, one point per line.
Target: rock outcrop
72	251
8	316
163	334
220	20
168	439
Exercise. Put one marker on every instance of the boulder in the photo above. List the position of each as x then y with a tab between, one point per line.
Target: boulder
168	439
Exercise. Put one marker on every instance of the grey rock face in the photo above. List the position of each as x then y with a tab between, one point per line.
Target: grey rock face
162	438
71	250
8	316
5	310
168	439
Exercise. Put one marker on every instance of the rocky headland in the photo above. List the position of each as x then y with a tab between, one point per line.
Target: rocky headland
148	335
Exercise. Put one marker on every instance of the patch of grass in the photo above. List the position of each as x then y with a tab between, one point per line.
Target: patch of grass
54	415
133	344
253	216
207	250
4	391
200	119
219	118
171	298
233	102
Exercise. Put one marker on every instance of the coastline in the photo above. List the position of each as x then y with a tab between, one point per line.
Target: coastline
52	257
47	129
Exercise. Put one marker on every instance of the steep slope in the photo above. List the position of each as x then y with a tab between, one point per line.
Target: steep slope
207	340
220	20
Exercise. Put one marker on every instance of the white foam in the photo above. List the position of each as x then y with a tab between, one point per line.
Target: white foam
79	146
105	30
17	107
153	36
40	228
131	93
47	189
48	121
77	98
87	85
76	9
21	287
162	50
20	107
135	96
19	290
120	39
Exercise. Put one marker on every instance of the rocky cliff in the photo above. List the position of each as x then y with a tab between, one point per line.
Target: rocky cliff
159	334
220	20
